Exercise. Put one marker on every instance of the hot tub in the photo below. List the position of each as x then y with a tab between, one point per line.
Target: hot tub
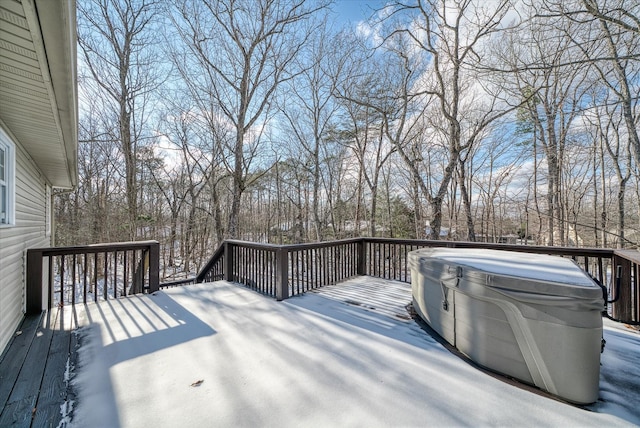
536	318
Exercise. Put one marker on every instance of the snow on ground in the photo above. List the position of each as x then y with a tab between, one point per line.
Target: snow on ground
221	355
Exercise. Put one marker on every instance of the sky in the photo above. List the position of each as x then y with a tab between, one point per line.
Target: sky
355	10
222	355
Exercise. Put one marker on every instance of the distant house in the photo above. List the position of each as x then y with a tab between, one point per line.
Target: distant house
631	238
572	238
445	232
38	135
510	238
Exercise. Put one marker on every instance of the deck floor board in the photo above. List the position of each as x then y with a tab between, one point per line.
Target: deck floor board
53	387
13	357
33	370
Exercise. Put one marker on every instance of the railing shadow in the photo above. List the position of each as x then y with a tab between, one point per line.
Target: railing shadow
117	331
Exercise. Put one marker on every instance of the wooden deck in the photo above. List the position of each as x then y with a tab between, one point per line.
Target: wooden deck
34	370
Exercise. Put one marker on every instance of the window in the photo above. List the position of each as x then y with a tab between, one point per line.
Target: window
7	180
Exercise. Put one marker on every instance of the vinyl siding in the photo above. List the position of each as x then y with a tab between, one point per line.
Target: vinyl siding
28	232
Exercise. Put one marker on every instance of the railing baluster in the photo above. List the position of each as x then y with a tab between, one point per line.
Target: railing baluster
601	271
241	265
84	278
95	277
393	258
105	290
51	288
343	272
73	280
305	270
294	272
256	270
404	262
323	266
332	252
125	273
254	273
248	267
264	272
314	268
586	264
115	274
61	303
298	270
260	271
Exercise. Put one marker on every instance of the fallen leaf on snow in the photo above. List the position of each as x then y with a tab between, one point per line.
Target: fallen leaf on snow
197	383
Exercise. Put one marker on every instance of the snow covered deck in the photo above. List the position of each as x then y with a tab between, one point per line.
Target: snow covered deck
217	354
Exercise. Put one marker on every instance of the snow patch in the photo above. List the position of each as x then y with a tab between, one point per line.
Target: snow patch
92	382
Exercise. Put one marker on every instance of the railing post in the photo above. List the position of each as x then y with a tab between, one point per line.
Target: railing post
362	254
228	262
621	309
34	282
137	285
154	267
282	277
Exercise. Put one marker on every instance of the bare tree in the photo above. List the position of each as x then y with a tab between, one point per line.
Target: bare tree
608	34
242	51
607	120
552	94
308	107
116	40
450	37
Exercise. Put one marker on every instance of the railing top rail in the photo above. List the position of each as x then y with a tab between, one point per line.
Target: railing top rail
576	251
249	244
94	248
177	282
324	244
570	251
293	247
631	255
212	261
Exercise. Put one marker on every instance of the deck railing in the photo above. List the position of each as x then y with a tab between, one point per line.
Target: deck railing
78	274
282	271
70	275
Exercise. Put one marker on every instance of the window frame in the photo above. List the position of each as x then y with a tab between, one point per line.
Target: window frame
9	149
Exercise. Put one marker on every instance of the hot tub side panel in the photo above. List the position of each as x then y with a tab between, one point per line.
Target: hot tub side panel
568	359
484	334
432	301
428	304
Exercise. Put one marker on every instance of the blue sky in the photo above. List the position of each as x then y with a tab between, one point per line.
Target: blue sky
356	10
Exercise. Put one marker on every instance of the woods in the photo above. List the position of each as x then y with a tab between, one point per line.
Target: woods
280	121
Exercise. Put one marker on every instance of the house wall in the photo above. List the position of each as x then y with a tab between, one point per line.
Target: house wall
29	231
